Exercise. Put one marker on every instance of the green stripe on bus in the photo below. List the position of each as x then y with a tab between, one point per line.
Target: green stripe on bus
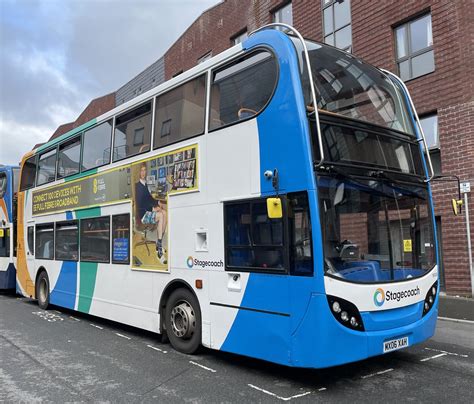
80	175
88	275
88	270
67	135
88	212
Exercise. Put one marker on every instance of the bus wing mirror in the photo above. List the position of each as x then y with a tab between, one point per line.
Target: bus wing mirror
274	208
457	204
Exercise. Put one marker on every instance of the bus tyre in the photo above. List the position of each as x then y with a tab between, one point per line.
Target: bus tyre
183	321
42	290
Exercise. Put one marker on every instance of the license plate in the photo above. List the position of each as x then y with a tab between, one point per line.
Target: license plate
395	344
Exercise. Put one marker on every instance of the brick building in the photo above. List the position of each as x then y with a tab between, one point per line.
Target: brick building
429	43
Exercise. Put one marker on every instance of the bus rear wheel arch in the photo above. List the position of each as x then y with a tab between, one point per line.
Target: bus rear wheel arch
42	289
183	321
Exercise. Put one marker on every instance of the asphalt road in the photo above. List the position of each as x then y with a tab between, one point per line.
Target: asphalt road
62	356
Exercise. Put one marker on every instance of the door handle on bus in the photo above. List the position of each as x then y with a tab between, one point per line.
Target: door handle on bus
233	282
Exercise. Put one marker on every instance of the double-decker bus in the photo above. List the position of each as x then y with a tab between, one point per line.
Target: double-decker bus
9	176
273	202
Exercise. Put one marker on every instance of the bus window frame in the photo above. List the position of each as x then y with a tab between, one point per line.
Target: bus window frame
72	139
206	75
83	133
21	189
286	239
151	101
226	64
43	152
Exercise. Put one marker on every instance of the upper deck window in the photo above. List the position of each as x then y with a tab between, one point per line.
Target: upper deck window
69	157
46	167
180	113
28	174
352	88
132	132
242	89
96	146
414	44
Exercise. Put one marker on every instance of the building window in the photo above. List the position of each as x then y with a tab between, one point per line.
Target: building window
46	167
69	157
429	123
95	239
414	47
253	241
207	56
337	27
45	241
180	113
132	133
67	235
239	38
96	146
242	89
284	15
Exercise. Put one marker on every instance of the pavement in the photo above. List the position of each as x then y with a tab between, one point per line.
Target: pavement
459	308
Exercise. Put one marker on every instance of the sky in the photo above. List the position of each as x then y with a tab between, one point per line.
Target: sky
58	55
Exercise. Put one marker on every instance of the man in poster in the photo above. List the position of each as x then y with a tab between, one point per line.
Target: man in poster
150	211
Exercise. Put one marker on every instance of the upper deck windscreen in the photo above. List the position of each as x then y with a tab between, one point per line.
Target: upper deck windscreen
347	86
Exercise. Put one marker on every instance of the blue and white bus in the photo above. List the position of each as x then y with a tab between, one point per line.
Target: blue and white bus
9	177
273	201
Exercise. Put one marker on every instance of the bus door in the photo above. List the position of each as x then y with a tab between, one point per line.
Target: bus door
250	296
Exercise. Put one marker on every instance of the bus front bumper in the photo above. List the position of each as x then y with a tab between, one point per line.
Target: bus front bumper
321	341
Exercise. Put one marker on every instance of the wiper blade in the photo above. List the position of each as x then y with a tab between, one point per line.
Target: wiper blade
393	183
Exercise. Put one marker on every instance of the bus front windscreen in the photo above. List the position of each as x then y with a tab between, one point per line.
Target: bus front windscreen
347	86
375	231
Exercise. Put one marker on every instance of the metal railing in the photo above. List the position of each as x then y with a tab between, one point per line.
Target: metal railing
289	28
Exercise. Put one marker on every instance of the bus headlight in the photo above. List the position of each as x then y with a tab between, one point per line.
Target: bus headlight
346	313
430	298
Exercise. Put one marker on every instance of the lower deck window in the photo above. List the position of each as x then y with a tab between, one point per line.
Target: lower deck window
45	241
95	239
4	242
67	241
121	239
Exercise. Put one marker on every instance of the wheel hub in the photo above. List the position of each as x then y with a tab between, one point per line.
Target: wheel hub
183	320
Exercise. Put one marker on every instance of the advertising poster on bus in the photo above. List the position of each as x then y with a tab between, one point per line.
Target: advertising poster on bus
153	180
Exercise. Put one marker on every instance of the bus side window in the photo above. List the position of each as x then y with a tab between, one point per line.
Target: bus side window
45	241
47	167
253	240
121	239
132	134
242	89
31	240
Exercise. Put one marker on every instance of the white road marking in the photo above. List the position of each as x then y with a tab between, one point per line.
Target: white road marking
202	366
322	389
433	357
96	326
156	349
456	320
279	397
446	352
74	318
122	336
377	373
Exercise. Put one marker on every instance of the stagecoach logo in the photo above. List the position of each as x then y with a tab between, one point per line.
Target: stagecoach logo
379	297
192	262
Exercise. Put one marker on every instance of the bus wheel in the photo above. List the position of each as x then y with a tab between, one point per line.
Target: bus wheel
183	321
42	290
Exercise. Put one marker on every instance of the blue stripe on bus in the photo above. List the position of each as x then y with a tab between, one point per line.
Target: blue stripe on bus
64	292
